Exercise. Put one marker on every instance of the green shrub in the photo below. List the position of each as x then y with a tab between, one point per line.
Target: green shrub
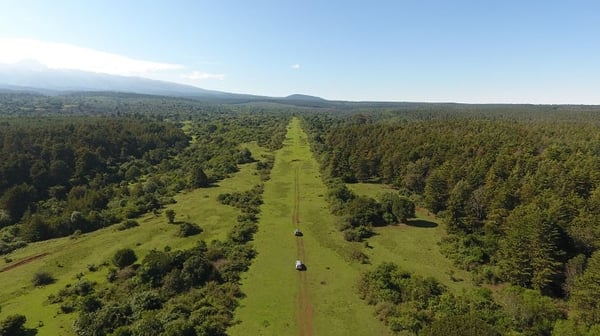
112	275
170	214
242	232
122	331
124	257
143	301
359	256
67	308
188	229
13	326
83	287
42	279
90	304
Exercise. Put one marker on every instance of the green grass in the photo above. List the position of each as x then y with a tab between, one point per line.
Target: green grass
414	247
273	286
69	257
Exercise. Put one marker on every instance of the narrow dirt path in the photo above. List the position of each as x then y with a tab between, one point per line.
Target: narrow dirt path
23	262
304	309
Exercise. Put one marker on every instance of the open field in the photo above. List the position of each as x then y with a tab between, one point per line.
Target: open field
322	300
414	247
65	258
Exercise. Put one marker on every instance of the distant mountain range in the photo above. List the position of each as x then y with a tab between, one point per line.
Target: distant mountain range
31	76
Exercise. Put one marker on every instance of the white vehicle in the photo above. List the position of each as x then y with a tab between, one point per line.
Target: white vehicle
297	233
299	265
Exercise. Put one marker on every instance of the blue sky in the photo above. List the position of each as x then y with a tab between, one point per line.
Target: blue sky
463	51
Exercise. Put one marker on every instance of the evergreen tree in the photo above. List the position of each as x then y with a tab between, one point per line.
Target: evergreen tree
436	191
529	255
585	296
170	214
457	206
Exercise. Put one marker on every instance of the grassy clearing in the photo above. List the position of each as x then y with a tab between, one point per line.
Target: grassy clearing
69	257
273	285
413	247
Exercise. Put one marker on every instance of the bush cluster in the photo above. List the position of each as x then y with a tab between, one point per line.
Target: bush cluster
360	214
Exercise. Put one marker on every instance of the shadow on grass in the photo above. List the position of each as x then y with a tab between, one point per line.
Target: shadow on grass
421	223
30	332
209	186
373	233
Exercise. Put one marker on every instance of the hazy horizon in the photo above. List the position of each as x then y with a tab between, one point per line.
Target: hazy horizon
429	51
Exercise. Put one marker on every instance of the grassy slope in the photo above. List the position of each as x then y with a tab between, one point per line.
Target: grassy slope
272	285
413	247
68	257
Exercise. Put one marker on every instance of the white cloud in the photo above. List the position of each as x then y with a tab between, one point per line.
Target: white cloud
66	56
295	66
198	75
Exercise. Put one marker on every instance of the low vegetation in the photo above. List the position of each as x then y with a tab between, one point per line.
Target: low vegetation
42	279
190	292
188	229
360	213
414	304
127	224
124	257
13	325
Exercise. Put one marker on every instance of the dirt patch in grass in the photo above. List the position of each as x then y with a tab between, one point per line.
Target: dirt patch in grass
23	262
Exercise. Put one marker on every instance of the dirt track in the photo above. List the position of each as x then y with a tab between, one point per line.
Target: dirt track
23	262
304	309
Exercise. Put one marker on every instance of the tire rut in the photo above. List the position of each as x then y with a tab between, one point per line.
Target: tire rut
305	309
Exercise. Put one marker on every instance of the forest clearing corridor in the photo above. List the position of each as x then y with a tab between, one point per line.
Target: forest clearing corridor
321	299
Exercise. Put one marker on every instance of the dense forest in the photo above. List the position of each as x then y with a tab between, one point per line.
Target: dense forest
518	190
61	175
